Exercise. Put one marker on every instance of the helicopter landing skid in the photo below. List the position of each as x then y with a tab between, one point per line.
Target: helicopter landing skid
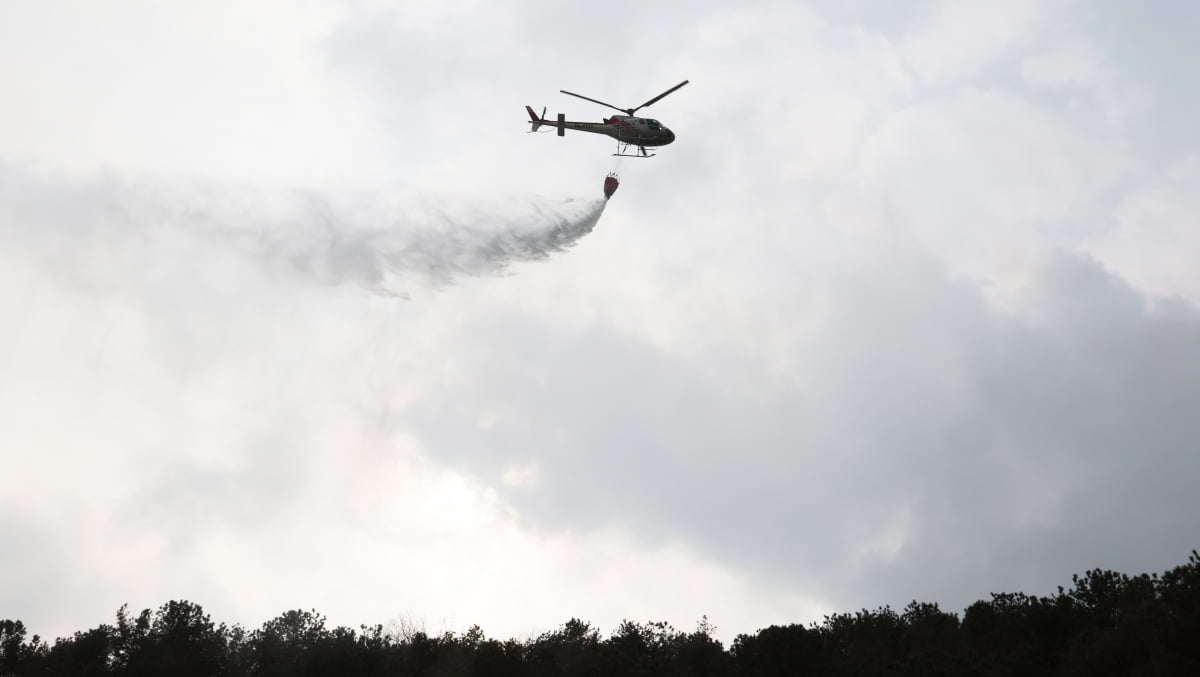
622	147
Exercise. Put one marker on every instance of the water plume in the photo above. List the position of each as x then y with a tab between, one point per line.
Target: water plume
379	241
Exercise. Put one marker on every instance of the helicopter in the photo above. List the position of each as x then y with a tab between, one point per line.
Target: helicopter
628	130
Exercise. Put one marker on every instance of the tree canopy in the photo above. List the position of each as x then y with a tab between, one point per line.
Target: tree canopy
1106	623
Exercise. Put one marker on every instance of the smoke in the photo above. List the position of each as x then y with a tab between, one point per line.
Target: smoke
381	242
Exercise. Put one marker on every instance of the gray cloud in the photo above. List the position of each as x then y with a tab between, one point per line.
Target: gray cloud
931	445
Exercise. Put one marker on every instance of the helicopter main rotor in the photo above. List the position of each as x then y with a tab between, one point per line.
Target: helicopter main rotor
627	111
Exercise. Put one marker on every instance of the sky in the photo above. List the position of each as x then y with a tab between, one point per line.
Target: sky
295	313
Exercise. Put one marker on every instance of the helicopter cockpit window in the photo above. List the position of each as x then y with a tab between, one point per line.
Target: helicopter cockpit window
653	124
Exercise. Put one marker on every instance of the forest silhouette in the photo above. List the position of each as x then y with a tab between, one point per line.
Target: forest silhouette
1106	623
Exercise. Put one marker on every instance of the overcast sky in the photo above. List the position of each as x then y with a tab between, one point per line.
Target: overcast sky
296	315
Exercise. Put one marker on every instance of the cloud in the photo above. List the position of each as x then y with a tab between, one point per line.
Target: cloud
955	43
1152	240
228	90
1075	63
985	180
922	439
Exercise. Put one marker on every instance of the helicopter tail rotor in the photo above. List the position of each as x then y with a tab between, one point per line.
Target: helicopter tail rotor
536	121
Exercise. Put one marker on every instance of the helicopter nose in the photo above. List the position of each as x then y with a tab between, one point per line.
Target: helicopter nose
669	135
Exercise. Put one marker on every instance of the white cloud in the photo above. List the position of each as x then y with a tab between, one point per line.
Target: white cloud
983	179
1154	240
231	89
958	41
521	476
1077	63
1071	62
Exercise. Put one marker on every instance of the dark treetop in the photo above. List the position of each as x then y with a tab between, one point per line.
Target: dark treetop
1106	624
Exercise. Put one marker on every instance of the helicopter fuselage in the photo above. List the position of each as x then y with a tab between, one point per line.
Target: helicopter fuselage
634	131
628	129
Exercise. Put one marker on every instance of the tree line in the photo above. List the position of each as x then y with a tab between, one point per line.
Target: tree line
1106	623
